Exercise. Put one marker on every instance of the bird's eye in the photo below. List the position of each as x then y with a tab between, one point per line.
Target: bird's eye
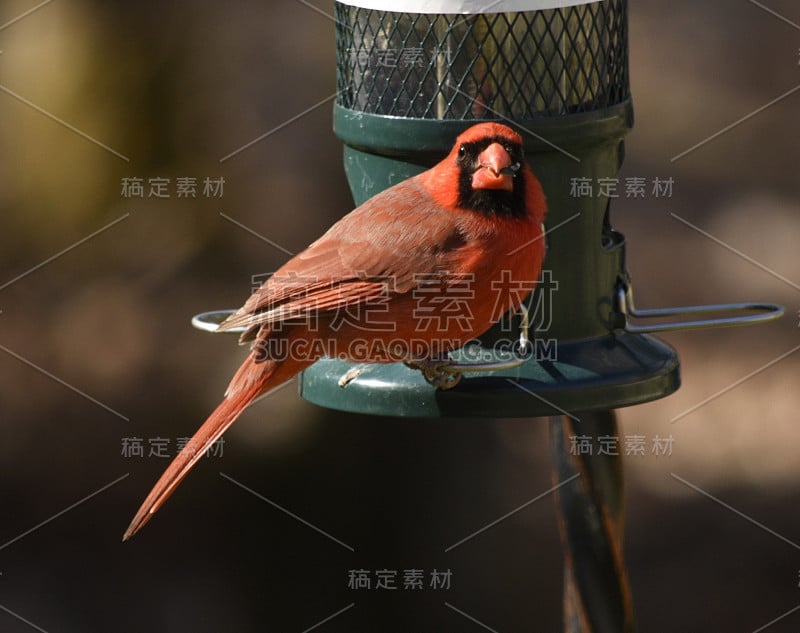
462	152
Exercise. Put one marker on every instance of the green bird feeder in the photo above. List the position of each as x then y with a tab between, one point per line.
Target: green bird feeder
408	84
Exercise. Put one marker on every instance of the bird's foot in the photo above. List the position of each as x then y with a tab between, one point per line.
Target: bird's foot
437	372
351	375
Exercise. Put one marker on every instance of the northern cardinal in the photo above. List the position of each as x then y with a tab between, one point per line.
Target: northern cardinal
421	268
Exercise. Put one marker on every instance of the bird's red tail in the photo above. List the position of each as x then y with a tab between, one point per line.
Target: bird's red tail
253	379
217	423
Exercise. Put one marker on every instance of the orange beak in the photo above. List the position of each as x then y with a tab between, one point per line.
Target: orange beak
494	171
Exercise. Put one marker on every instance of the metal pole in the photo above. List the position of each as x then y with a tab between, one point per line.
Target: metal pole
597	596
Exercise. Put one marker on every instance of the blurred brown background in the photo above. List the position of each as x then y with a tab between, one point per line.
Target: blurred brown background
173	88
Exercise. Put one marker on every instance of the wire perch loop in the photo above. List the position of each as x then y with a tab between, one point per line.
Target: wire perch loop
210	321
745	313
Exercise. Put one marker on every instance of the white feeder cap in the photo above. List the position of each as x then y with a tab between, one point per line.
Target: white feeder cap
462	6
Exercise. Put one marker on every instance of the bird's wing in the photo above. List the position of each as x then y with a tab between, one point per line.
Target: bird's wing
375	252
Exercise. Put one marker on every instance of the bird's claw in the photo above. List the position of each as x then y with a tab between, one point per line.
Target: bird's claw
351	375
437	372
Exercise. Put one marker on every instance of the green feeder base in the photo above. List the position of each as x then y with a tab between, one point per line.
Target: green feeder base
619	368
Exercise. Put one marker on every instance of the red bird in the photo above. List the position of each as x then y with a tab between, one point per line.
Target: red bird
417	270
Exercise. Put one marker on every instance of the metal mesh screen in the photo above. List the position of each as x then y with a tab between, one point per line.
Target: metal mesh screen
515	65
